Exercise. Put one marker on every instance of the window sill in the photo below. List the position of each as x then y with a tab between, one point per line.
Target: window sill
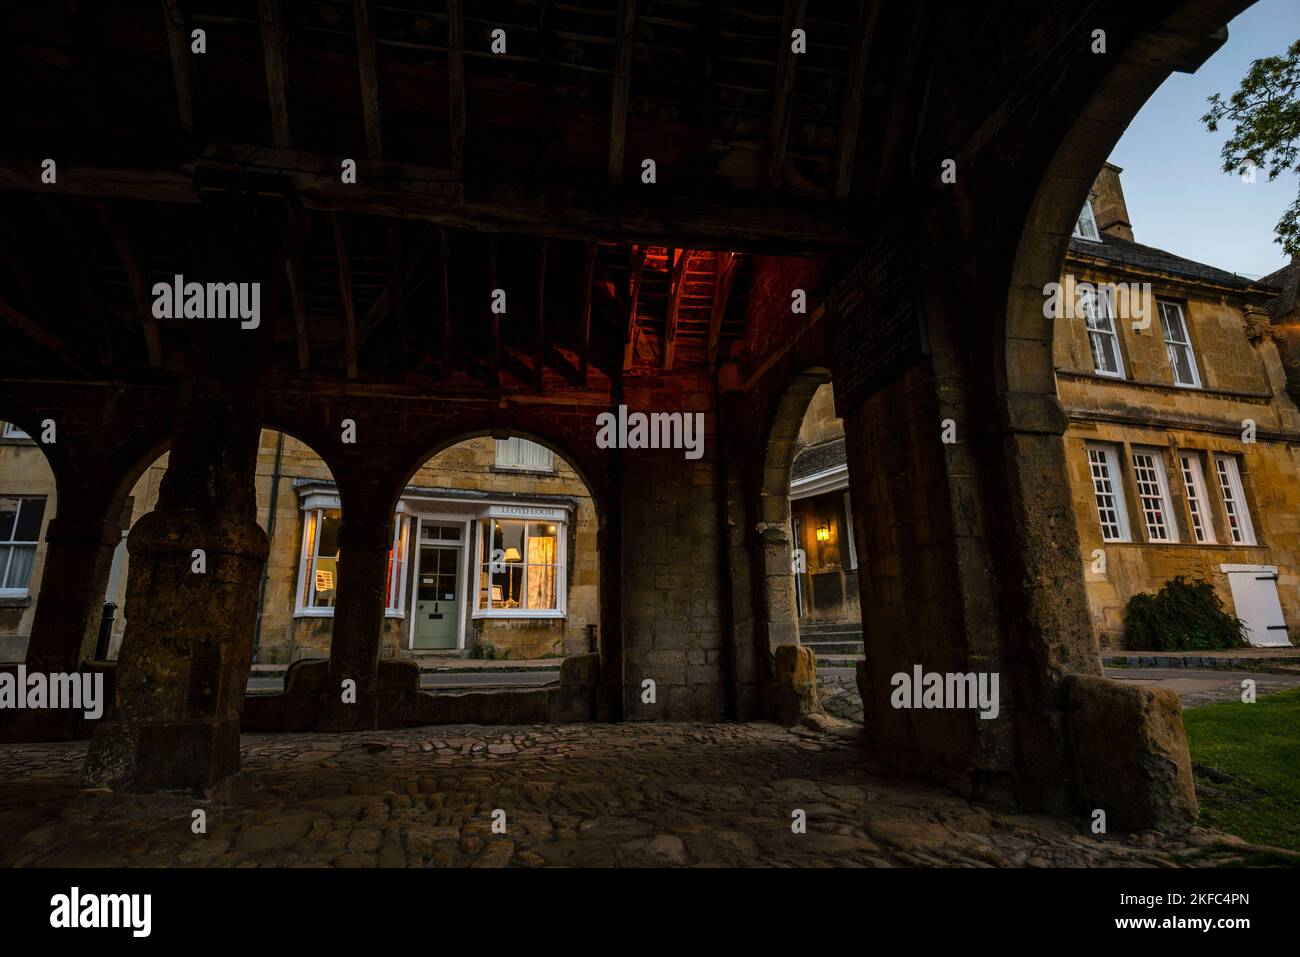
314	613
522	470
513	613
15	600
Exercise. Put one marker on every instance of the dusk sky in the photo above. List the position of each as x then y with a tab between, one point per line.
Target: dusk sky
1179	198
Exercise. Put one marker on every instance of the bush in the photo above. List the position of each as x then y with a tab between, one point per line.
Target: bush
1185	615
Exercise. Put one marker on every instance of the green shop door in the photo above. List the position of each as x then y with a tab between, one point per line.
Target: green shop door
437	597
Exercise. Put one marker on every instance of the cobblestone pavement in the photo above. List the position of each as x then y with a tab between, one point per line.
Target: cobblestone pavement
587	795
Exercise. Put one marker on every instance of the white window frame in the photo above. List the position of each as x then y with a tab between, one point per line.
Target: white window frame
1185	344
399	557
848	532
10	542
1106	457
1241	529
1154	500
1198	497
1086	217
561	570
12	431
518	454
307	563
1097	309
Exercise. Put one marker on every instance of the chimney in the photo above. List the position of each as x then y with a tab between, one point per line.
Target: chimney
1108	206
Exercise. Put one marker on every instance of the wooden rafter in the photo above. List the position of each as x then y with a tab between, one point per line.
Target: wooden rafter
297	296
634	294
621	89
727	264
368	64
702	133
539	364
139	288
676	288
16	319
91	295
846	146
276	58
398	287
178	44
893	132
424	193
588	276
545	9
444	284
344	265
494	359
783	98
456	84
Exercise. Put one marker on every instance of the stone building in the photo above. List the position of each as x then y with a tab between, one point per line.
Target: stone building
1184	438
512	495
826	579
1184	442
687	218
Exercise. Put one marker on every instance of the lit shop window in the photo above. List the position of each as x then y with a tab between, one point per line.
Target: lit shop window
519	567
319	566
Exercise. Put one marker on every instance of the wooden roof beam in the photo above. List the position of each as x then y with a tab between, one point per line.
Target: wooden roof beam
444	284
727	264
275	56
139	288
588	277
676	287
539	363
622	87
368	64
846	146
345	294
425	193
783	98
178	45
16	319
456	85
634	292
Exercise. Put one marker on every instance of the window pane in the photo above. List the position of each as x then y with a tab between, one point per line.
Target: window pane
8	514
543	538
20	566
1110	503
325	576
1149	474
1194	483
28	528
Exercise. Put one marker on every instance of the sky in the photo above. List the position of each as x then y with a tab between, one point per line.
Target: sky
1179	199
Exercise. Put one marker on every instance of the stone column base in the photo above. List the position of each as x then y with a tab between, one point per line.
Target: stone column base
1131	750
175	756
796	683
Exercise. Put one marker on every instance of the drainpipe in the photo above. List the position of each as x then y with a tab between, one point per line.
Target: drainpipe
270	536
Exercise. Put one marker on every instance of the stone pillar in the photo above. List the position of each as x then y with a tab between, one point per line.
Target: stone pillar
196	560
78	557
364	543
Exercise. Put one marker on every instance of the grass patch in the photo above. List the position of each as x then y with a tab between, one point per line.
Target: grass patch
1246	758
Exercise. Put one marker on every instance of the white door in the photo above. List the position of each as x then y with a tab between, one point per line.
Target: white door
1254	592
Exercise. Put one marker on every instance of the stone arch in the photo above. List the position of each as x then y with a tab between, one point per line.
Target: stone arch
562	437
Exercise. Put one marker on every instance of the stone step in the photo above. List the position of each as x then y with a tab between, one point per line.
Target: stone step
821	648
1280	664
847	628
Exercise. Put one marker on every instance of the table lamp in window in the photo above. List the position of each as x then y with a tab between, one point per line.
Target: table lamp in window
512	555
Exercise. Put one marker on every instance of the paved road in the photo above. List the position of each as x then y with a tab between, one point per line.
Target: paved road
1192	685
443	680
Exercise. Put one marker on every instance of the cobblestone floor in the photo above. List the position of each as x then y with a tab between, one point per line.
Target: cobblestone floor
587	795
